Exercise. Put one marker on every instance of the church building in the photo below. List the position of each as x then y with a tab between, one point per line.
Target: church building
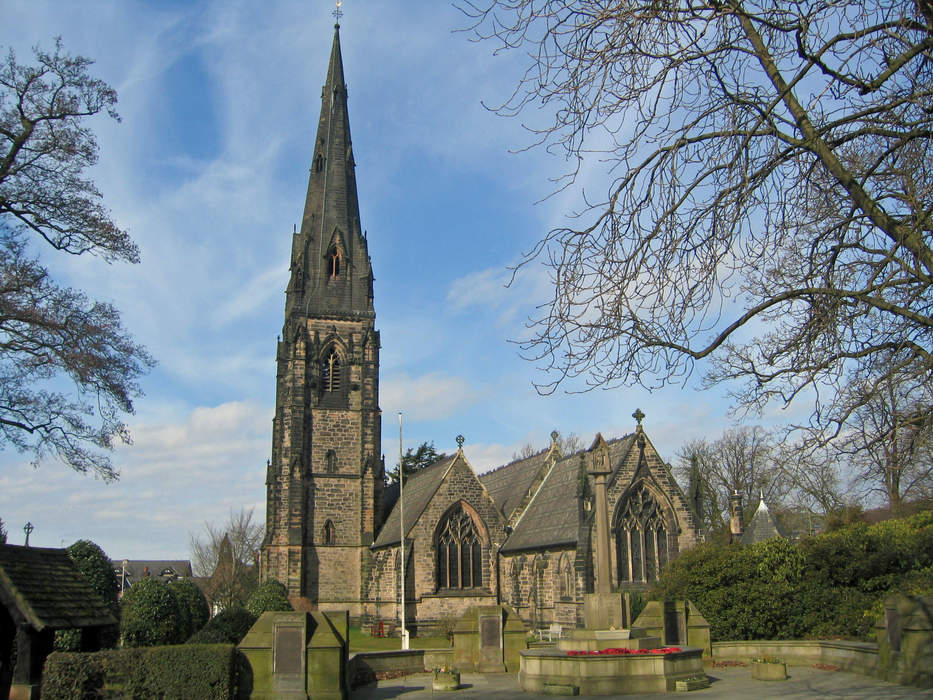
522	534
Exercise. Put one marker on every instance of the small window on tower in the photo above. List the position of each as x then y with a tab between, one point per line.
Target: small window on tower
319	163
330	372
333	263
330	533
331	461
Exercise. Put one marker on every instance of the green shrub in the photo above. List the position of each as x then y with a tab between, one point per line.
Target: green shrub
829	585
205	672
91	561
269	596
151	615
193	604
226	627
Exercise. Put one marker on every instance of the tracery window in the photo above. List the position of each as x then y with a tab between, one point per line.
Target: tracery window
330	533
330	372
459	552
641	538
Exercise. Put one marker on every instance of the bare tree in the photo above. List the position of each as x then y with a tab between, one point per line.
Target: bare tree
226	554
744	460
48	332
889	443
568	445
769	198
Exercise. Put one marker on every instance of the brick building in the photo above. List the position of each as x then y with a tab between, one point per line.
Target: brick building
521	534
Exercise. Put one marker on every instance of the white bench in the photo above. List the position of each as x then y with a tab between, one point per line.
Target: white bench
555	631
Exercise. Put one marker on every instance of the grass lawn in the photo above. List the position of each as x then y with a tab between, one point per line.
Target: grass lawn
363	642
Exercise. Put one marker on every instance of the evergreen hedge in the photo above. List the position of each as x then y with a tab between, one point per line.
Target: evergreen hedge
226	627
201	672
829	585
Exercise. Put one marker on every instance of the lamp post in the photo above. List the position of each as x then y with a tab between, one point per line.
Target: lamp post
401	516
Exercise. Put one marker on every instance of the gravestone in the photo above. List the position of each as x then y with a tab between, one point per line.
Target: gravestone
488	639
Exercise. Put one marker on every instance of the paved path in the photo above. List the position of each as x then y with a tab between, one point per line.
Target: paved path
727	683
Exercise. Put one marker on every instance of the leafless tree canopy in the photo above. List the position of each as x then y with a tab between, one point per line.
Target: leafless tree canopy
769	198
225	553
51	334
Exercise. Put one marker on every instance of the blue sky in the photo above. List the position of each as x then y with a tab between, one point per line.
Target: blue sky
208	171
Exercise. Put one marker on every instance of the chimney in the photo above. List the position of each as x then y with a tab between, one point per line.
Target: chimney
736	521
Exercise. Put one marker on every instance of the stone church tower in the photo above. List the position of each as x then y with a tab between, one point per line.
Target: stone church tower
324	482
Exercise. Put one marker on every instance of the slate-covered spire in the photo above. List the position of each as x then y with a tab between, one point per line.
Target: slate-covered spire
331	272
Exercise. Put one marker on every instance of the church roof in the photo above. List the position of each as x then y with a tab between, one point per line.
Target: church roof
552	518
762	526
508	484
44	588
420	487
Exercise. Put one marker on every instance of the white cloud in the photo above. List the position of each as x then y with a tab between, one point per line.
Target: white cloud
431	396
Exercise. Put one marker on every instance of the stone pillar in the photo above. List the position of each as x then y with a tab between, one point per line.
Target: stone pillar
603	576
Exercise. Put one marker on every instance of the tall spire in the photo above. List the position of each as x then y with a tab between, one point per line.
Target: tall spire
331	273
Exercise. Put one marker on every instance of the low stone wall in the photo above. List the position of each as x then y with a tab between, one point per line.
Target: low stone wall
855	657
364	665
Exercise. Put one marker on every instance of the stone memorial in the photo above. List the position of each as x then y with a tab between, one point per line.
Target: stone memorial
295	656
488	639
905	640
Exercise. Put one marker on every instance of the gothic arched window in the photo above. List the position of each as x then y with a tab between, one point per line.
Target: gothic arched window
330	533
330	372
331	461
459	552
565	585
642	546
334	261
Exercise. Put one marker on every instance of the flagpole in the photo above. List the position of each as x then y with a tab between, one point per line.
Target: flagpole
401	514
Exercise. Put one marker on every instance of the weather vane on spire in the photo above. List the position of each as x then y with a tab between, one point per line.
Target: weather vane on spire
338	13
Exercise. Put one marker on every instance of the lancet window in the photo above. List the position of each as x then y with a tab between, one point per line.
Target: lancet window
459	552
330	533
330	372
642	546
334	261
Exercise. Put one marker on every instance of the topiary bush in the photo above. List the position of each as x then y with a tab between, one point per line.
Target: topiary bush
269	596
151	615
207	672
226	627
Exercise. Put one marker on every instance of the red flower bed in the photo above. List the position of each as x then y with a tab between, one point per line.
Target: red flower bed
621	652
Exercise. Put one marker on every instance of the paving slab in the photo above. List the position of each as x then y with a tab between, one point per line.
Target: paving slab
731	683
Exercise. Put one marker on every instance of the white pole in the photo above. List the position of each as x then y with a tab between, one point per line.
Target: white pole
401	515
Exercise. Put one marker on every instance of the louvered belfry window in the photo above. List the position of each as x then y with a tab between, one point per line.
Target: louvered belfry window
459	553
330	372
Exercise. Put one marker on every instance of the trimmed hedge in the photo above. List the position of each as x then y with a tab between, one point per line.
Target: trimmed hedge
195	672
829	585
268	596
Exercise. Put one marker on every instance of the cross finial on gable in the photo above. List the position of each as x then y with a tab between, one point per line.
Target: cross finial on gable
638	415
460	441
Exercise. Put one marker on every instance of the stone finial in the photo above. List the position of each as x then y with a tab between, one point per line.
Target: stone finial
554	436
638	416
460	441
28	528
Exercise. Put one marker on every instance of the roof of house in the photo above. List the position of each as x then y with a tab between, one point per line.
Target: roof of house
420	487
137	568
43	588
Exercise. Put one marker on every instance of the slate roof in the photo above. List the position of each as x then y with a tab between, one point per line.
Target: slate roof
762	526
420	487
551	519
43	587
136	568
507	485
